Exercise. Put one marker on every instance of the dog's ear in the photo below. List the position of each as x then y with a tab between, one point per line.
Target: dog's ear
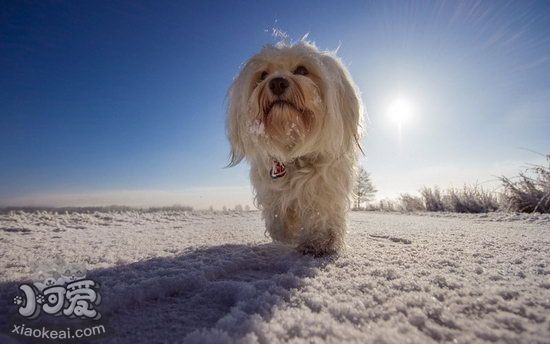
235	118
346	101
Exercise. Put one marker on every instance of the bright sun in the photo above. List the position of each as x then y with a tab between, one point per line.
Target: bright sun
400	110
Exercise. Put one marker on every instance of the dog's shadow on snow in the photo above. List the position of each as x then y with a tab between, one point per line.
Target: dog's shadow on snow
212	292
226	287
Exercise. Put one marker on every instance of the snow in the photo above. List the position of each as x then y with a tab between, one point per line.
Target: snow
257	128
202	277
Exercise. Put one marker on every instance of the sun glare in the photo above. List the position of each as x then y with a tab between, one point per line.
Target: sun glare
400	110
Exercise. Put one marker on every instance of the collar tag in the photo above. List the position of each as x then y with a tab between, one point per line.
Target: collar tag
277	170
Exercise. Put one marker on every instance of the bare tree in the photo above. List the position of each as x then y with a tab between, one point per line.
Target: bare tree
364	189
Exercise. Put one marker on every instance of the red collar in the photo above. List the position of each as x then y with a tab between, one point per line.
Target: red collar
278	170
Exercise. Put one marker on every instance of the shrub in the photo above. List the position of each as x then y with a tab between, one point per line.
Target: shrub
470	199
411	203
530	191
387	205
432	199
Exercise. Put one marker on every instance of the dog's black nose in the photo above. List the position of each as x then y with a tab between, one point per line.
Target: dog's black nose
278	85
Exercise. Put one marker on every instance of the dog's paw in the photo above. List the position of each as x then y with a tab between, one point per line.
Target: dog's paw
316	250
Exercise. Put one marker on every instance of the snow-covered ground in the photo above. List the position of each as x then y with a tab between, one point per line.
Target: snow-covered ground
201	277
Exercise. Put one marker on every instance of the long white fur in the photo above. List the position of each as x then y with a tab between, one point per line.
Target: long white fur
317	140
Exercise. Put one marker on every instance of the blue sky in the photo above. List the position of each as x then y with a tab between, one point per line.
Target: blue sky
128	98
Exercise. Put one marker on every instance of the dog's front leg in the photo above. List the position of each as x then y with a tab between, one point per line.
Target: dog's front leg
322	234
281	226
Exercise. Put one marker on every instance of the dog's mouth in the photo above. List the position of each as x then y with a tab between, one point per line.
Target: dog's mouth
281	103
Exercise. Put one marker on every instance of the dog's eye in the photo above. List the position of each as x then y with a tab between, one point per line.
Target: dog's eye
301	70
263	75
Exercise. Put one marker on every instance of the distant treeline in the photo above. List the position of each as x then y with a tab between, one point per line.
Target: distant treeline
528	192
94	209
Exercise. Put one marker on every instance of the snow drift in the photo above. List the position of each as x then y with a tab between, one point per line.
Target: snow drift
199	277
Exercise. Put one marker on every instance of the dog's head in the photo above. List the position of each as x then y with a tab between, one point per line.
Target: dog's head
291	101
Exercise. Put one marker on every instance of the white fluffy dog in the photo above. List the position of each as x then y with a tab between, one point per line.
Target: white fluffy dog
295	114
